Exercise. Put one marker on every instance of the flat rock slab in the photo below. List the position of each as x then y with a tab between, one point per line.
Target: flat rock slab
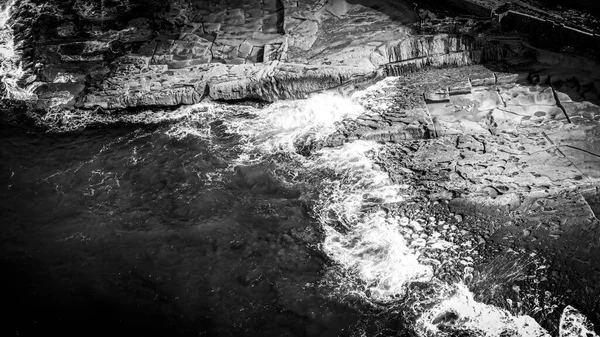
500	144
323	43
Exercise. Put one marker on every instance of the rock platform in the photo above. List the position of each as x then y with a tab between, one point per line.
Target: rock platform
139	54
507	152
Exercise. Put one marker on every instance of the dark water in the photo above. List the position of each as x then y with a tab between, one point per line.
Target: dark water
126	230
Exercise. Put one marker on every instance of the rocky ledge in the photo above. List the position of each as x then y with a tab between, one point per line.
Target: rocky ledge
125	54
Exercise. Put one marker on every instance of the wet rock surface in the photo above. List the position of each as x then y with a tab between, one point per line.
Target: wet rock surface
135	54
513	172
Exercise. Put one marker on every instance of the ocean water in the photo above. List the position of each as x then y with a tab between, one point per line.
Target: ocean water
166	224
153	229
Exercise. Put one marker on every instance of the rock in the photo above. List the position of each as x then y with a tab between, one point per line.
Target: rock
193	38
286	81
418	243
403	221
440	244
415	226
573	323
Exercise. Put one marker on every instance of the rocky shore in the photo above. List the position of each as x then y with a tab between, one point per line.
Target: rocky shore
489	109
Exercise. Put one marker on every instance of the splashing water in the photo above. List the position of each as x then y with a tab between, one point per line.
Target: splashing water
279	127
461	310
366	243
190	120
373	247
12	67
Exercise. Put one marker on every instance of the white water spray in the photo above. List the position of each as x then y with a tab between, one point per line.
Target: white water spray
378	262
373	247
189	120
12	67
278	127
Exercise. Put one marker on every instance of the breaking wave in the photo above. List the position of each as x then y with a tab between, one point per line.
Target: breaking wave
377	255
288	126
17	82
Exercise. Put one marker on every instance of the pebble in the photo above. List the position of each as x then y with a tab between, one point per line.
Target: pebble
416	226
433	262
440	244
418	243
458	217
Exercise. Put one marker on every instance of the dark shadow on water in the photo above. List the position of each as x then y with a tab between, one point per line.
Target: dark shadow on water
38	304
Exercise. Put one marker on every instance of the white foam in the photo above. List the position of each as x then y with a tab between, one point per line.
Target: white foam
487	320
366	243
189	120
12	67
279	126
373	247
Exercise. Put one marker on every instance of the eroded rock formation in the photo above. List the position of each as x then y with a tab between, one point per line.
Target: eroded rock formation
128	54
